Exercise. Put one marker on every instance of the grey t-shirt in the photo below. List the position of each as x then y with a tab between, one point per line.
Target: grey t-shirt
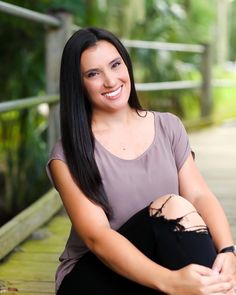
132	184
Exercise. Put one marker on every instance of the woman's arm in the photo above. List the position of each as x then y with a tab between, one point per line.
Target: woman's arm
194	188
91	223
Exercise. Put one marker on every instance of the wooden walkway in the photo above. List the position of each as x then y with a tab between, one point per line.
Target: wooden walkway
30	269
215	150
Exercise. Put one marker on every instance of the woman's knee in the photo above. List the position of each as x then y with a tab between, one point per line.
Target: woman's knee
176	207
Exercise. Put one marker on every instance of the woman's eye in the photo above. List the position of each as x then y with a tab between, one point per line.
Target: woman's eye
92	74
116	64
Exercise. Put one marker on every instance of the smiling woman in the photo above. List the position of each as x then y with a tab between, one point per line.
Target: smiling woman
105	76
143	218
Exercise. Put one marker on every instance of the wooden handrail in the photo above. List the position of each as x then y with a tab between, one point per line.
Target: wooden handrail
171	85
27	102
29	14
22	225
224	83
197	48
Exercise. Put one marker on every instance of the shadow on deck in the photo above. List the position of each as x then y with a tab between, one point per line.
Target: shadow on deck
30	268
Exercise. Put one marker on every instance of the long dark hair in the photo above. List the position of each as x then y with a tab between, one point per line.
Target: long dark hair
75	112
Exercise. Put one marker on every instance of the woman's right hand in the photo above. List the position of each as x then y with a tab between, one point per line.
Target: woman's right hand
199	280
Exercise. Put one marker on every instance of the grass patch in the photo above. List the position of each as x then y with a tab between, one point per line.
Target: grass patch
224	103
224	97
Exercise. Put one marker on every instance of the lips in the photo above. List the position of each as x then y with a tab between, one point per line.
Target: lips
113	94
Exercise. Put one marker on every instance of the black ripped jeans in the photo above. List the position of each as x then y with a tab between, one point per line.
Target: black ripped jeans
164	241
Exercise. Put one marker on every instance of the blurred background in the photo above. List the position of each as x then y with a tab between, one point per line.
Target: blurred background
23	133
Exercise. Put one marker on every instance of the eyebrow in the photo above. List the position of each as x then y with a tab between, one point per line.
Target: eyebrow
97	69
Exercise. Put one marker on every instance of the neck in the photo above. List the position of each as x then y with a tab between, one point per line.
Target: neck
104	120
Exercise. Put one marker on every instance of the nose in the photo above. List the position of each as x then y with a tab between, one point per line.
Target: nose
109	80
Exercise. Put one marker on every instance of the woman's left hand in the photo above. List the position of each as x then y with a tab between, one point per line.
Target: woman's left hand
225	263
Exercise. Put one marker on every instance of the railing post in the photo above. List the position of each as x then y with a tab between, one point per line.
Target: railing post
55	41
206	89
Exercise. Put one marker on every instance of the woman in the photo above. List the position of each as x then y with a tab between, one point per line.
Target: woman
119	171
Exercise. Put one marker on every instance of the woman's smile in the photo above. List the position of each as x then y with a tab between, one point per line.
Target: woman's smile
113	94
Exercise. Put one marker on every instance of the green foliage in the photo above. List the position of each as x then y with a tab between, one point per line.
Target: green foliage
22	148
18	52
23	156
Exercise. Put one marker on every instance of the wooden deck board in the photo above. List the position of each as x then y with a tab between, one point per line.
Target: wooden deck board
31	286
30	268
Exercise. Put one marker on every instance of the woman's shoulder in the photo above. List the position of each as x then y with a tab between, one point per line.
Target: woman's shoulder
165	115
167	120
57	151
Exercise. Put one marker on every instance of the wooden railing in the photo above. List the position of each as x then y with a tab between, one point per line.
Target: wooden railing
19	104
25	223
59	28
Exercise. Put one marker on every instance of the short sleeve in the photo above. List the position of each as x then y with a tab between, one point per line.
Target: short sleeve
179	140
57	153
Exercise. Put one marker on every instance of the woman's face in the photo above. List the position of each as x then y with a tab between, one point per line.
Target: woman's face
105	77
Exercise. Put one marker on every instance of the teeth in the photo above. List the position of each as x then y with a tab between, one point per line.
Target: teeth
114	93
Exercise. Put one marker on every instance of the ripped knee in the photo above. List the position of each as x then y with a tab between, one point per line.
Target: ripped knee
176	208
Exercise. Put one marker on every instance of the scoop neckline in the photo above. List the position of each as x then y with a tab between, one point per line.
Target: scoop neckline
141	155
